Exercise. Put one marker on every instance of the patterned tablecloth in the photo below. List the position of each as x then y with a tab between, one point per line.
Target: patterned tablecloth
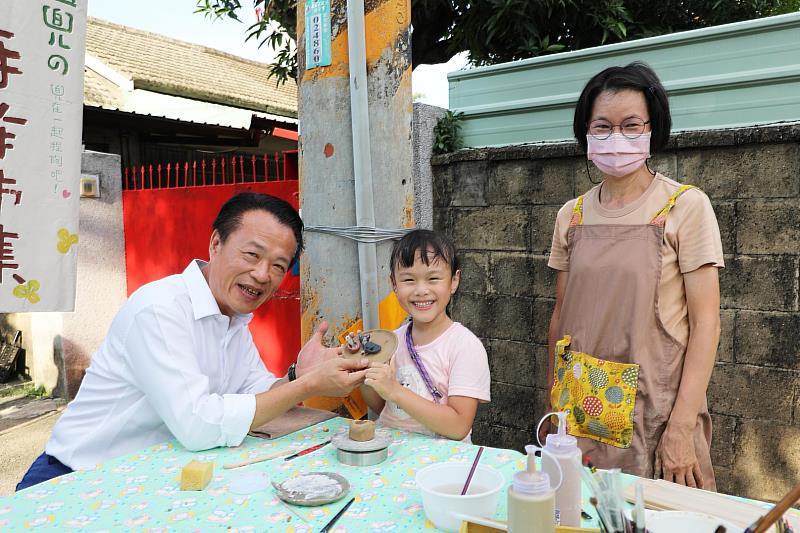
141	491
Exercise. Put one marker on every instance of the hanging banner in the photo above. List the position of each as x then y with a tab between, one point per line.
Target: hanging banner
41	112
318	33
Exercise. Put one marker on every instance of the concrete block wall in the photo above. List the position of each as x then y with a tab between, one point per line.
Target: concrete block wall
59	345
499	204
102	288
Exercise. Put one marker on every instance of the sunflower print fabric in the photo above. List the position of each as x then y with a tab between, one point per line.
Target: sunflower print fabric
599	396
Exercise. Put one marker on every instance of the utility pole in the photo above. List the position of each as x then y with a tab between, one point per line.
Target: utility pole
355	116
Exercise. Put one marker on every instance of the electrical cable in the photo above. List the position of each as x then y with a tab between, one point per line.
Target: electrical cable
364	234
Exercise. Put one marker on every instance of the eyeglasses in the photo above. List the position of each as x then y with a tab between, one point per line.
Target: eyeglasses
631	128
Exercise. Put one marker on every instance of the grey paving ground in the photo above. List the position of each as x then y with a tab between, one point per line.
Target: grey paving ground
24	441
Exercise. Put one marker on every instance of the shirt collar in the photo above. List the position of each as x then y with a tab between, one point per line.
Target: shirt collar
203	302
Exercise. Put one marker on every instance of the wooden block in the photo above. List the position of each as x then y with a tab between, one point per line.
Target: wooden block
472	527
662	495
196	475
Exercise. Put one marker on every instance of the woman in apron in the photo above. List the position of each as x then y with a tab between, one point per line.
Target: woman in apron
635	327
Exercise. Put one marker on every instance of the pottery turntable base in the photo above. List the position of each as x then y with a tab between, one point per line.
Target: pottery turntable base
361	453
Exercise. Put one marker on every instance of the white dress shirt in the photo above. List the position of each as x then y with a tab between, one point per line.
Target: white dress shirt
171	366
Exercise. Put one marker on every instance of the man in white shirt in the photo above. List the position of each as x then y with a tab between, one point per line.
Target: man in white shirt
179	361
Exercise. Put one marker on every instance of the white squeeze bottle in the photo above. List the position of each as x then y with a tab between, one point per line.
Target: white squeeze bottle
531	499
564	449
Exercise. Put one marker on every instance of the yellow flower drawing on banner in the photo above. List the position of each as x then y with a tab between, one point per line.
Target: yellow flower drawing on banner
66	240
28	291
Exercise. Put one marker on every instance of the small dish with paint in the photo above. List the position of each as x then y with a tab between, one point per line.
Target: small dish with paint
313	488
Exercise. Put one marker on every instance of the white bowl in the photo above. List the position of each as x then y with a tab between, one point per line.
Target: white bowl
441	484
687	522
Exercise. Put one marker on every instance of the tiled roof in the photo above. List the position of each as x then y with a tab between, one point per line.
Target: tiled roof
161	64
99	92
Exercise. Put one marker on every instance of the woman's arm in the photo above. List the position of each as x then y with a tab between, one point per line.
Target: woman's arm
452	420
676	458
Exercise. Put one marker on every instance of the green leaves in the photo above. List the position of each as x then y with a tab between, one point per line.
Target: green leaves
218	8
496	31
276	29
447	133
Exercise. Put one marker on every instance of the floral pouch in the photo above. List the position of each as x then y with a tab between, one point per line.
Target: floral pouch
599	396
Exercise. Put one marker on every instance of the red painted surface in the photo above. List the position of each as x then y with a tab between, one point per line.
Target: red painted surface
216	171
285	134
167	228
291	166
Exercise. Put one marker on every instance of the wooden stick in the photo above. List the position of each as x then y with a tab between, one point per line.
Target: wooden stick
258	459
776	512
472	471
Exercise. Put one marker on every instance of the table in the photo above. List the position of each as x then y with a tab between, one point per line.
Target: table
140	491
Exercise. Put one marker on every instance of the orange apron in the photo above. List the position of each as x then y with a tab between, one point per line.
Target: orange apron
620	374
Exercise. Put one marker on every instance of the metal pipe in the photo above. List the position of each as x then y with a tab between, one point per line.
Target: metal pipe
362	161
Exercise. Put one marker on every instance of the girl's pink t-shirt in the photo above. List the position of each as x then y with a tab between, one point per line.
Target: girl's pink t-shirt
457	364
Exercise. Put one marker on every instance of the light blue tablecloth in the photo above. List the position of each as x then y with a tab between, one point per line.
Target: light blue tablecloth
141	491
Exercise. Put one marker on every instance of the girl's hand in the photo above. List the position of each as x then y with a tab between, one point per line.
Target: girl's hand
381	377
676	459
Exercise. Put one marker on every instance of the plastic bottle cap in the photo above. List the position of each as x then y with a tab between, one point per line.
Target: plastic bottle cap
531	483
561	442
533	476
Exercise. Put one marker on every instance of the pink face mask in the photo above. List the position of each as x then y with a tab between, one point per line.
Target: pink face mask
618	156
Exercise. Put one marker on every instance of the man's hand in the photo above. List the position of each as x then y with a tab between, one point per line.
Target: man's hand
336	377
676	459
314	352
381	377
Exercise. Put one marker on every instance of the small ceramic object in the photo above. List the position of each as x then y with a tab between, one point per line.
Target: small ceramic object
313	488
362	430
382	340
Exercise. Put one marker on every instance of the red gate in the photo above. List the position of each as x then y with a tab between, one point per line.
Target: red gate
168	225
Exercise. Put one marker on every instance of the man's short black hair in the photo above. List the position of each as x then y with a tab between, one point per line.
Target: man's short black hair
230	215
636	76
429	244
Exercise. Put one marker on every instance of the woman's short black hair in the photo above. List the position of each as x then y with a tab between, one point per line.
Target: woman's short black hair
636	76
431	245
230	215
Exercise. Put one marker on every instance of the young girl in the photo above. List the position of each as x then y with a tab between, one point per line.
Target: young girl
440	371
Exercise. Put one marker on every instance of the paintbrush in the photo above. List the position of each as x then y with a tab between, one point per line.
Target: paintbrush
600	514
337	516
257	459
762	524
640	519
472	470
307	451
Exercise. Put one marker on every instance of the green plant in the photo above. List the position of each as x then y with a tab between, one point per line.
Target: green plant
29	390
36	392
496	31
447	133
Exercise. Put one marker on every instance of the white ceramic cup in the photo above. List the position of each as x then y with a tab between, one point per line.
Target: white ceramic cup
440	485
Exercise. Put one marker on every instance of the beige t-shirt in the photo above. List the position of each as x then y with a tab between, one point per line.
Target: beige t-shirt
691	240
